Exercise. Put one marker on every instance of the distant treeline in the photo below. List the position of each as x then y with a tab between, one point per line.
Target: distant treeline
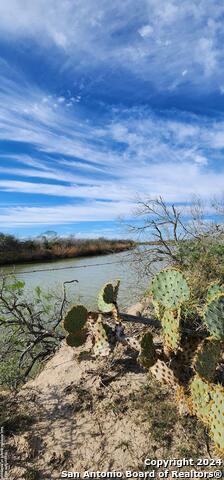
50	246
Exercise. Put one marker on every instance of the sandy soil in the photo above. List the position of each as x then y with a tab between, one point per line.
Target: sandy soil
87	414
83	413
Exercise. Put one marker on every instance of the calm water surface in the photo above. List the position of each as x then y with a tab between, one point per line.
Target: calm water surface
91	273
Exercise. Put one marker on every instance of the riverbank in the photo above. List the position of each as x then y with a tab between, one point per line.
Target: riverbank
81	413
14	251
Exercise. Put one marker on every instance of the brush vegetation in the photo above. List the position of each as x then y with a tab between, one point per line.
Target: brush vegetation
50	246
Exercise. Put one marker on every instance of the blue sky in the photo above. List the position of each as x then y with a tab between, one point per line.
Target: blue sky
102	102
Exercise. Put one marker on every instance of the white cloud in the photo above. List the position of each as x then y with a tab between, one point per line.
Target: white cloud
206	55
134	151
146	31
200	159
63	214
217	138
184	36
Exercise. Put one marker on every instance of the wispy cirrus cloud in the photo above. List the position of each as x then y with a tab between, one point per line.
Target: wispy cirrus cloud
136	152
75	149
166	44
62	215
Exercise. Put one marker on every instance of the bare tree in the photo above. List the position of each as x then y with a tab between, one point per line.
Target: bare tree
165	228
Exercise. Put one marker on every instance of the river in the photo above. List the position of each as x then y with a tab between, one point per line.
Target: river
91	273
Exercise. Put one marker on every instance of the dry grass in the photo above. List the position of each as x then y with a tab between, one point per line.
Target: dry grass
17	251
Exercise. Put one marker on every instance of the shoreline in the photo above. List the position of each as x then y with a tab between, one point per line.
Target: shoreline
53	257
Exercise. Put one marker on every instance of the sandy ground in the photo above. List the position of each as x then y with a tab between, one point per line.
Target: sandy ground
83	413
89	414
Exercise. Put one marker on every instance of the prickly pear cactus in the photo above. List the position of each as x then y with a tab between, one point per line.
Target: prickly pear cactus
101	345
216	417
170	289
75	322
214	317
163	373
75	319
76	339
214	289
187	351
148	356
107	298
207	357
171	330
158	309
201	397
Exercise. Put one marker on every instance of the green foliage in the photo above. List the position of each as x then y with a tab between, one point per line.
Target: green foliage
27	324
203	249
107	298
202	260
214	317
10	374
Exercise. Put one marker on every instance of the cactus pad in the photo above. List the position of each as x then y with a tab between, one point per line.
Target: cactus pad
217	417
101	346
163	373
214	317
107	297
171	330
188	349
158	309
207	357
148	356
201	397
76	340
75	319
213	290
134	343
169	288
